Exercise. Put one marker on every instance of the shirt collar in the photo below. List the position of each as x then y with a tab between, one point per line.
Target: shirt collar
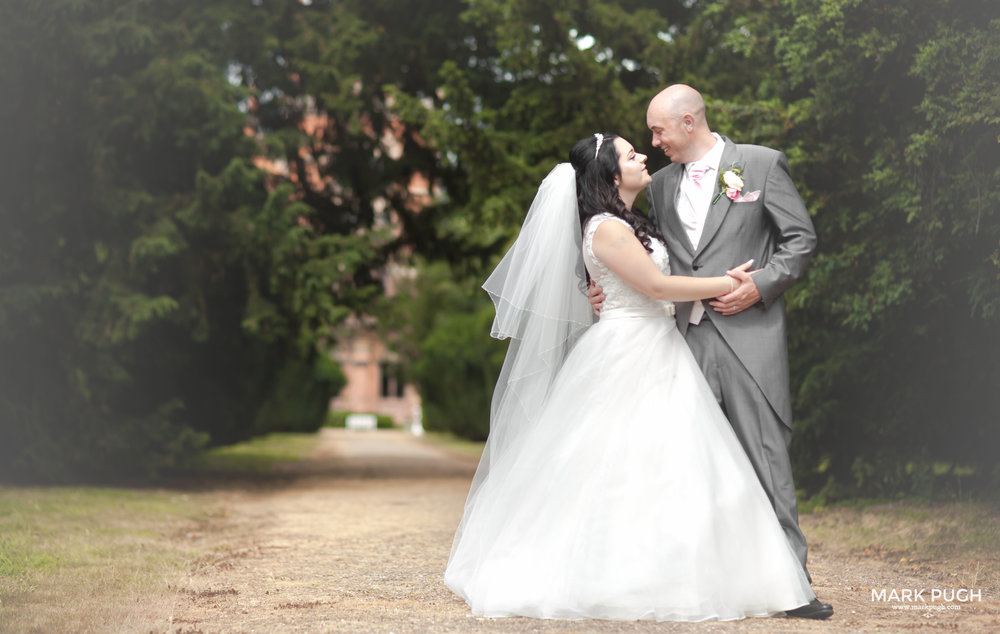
712	158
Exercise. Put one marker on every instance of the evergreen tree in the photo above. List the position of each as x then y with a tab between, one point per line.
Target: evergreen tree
889	115
156	295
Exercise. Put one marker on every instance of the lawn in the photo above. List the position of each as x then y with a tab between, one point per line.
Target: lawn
85	559
258	455
97	559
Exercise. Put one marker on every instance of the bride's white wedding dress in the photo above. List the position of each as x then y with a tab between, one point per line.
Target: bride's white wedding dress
630	496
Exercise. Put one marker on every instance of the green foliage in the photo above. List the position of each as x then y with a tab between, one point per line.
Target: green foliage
442	326
159	292
499	114
889	116
300	396
456	377
506	108
891	124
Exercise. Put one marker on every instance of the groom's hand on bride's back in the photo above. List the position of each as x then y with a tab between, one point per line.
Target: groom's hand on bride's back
596	295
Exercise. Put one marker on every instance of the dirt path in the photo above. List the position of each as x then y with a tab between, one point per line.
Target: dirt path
356	541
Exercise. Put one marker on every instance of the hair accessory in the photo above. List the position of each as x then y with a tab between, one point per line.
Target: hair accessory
600	140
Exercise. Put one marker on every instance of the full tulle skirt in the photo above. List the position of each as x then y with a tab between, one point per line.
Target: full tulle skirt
630	498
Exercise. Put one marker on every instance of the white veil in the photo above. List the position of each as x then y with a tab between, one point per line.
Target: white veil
539	289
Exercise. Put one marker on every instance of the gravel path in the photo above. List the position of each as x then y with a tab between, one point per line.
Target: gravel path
356	540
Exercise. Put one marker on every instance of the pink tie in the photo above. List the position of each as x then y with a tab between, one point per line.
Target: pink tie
696	173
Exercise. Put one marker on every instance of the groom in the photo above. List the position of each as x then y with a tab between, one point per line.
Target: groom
719	204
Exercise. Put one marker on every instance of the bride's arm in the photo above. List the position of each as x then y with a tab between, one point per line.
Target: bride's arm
617	247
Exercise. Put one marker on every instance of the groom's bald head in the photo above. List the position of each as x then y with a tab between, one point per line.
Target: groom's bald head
676	117
676	101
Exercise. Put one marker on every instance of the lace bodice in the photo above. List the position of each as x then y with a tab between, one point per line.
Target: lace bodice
619	294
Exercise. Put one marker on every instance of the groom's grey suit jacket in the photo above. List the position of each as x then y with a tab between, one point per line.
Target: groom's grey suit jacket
775	230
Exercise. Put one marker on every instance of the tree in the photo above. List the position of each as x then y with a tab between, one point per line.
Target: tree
889	115
441	326
157	296
528	81
161	291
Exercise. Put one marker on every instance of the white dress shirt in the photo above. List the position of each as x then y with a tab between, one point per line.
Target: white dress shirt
694	197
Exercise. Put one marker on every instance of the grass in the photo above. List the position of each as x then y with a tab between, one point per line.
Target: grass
451	441
915	532
97	559
90	559
258	455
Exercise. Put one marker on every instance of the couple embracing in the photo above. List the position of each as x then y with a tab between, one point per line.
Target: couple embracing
637	467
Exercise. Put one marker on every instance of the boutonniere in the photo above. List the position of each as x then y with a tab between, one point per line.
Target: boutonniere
730	183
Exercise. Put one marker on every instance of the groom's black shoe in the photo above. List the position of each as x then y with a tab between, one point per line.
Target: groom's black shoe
812	610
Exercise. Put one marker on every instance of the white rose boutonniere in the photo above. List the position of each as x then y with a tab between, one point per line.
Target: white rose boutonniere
730	183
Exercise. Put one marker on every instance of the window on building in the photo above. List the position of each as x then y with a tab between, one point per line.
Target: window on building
392	380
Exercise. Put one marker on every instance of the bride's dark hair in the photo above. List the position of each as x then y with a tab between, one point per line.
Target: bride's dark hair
596	192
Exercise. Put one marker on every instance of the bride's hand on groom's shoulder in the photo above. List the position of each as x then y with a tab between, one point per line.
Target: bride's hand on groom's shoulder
596	295
745	295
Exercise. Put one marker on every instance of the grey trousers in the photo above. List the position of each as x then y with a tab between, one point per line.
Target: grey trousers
759	429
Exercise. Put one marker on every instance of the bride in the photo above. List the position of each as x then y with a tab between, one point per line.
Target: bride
611	486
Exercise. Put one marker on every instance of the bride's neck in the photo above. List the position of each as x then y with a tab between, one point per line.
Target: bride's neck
627	197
